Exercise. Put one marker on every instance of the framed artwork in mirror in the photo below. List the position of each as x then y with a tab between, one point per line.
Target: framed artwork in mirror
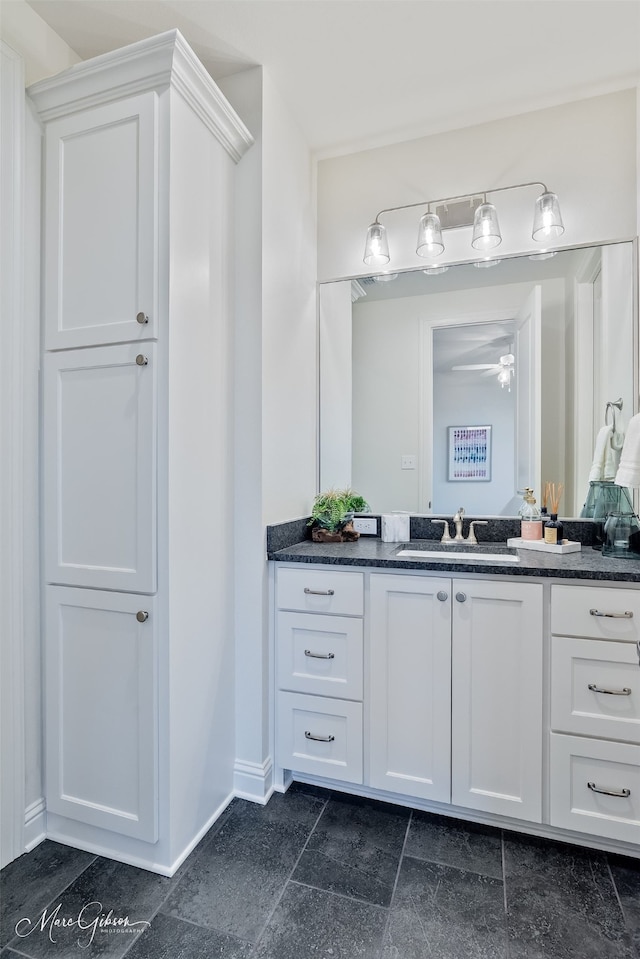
469	454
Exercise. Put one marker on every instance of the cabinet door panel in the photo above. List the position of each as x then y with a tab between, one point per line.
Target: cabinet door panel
410	670
99	473
101	710
497	698
100	224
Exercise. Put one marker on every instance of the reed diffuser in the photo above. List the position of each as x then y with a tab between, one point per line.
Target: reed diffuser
545	499
553	529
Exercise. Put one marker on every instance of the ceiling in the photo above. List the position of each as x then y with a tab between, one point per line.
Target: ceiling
363	73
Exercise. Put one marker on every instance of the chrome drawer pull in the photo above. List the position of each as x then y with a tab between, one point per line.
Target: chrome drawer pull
625	691
308	652
319	739
618	793
318	592
596	612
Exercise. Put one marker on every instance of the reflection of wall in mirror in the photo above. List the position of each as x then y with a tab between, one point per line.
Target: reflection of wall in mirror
387	394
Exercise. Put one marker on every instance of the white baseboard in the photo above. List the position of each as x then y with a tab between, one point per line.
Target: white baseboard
35	824
253	781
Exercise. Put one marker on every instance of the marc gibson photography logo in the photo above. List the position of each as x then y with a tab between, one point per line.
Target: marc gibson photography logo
91	919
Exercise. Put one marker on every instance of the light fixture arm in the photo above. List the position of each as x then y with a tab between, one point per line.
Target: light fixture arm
463	196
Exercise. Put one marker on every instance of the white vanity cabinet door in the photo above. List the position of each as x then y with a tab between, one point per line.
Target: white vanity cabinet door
497	698
410	676
100	224
99	468
101	710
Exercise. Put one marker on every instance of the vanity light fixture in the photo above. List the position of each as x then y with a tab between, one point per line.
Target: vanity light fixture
385	277
435	270
485	264
465	210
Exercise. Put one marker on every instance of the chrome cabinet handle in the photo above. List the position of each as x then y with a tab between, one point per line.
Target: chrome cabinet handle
442	596
141	360
142	615
618	793
461	597
318	592
308	652
142	318
625	691
626	615
638	650
319	739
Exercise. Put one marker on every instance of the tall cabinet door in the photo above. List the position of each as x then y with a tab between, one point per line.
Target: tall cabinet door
100	225
100	467
101	715
497	698
410	680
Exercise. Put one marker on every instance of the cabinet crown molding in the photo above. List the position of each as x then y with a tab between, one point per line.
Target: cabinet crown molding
152	64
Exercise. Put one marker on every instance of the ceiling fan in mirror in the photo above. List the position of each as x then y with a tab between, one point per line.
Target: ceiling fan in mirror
504	369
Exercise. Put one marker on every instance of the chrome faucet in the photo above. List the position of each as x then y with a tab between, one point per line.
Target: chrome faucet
457	519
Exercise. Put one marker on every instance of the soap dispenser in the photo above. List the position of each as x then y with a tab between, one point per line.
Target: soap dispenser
530	518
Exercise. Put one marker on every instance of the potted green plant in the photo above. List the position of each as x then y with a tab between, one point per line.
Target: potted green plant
332	516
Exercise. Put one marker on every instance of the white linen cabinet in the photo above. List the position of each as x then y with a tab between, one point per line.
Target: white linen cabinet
140	153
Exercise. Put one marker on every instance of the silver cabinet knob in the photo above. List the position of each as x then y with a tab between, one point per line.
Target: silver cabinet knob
142	318
142	615
442	596
141	360
461	597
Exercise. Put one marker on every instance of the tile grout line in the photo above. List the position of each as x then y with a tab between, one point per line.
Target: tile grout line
58	895
507	950
219	823
617	895
284	884
395	884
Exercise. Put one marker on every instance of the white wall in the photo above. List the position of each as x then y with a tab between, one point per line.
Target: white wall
275	386
482	404
585	151
289	315
44	53
39	52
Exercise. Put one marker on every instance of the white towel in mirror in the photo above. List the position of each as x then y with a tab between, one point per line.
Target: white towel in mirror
628	473
603	443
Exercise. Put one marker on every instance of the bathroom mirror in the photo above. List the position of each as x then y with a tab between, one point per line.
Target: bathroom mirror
419	370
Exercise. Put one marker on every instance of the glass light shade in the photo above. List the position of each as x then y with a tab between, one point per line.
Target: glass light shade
485	264
504	378
385	277
547	220
376	249
486	231
430	236
435	270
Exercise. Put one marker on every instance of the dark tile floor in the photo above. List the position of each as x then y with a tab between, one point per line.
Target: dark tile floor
320	875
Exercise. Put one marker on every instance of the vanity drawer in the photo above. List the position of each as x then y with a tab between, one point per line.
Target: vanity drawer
600	612
610	768
320	654
321	591
320	736
612	708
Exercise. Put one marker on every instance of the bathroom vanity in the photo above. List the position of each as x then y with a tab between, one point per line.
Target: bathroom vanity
505	693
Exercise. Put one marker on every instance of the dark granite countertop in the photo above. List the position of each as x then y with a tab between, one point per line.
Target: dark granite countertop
372	552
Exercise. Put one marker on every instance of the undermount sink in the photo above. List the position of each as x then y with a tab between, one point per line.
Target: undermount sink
473	554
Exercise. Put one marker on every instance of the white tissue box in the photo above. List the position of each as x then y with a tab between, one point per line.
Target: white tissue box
395	527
